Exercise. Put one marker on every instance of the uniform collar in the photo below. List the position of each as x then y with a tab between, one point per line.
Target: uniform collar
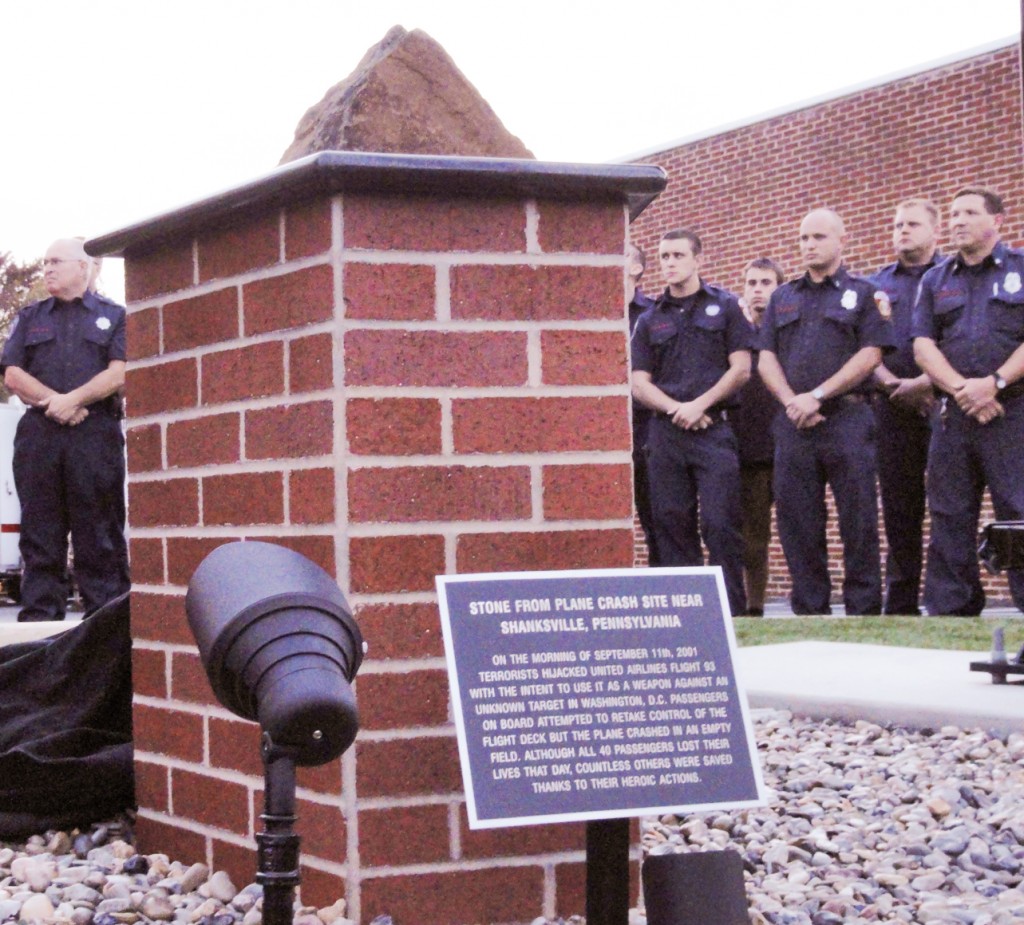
995	259
902	270
90	300
834	281
667	299
641	301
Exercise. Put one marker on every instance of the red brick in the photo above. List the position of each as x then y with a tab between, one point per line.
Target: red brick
322	829
425	493
395	701
432	224
528	552
383	564
424	840
393	426
204	441
527	293
325	778
238	249
154	836
142	332
320	549
235	745
290	431
243	498
237	862
310	364
147	559
588	492
149	672
210	801
152	786
500	894
519	840
188	679
320	888
583	358
307	229
166	503
184	553
289	301
244	372
311	496
168	732
390	291
541	425
206	319
166	269
164	387
401	630
435	358
425	765
581	227
145	448
160	618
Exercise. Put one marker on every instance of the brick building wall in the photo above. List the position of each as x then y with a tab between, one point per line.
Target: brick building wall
745	190
397	385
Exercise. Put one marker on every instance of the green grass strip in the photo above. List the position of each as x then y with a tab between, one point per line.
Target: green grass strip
973	634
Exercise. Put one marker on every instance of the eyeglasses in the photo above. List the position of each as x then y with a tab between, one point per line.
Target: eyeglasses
53	261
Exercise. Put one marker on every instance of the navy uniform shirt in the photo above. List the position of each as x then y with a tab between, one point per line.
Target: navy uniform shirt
685	343
641	413
900	284
815	328
65	344
975	314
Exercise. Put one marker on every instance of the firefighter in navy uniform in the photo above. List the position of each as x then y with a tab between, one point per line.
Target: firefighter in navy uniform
690	355
969	338
821	339
65	358
903	405
636	263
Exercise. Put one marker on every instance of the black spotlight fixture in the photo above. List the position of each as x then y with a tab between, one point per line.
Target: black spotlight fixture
280	647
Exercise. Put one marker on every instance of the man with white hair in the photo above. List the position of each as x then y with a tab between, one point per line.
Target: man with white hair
65	358
821	339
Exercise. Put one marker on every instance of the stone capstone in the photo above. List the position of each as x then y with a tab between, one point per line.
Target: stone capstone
405	97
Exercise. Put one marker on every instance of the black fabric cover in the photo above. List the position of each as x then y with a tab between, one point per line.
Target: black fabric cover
66	726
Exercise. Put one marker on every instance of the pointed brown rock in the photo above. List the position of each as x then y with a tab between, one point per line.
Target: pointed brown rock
405	97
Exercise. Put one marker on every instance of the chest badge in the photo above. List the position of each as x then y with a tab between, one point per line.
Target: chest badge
712	310
1012	283
884	304
103	323
849	300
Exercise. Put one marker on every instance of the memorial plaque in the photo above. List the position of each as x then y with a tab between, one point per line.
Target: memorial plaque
596	694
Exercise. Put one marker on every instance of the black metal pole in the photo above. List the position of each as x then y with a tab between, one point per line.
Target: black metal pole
278	846
608	872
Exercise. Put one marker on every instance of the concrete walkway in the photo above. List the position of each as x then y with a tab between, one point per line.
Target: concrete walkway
920	688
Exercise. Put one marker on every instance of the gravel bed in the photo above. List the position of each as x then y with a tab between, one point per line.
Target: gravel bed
864	824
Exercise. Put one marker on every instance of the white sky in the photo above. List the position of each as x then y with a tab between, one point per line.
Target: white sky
116	110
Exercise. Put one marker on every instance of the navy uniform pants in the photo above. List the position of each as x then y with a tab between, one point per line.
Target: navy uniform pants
695	479
70	480
642	491
840	453
965	457
903	438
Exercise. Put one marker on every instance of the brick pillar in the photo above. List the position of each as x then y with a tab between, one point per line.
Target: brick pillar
399	384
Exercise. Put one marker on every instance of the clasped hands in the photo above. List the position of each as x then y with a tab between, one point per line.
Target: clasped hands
62	409
803	411
688	415
977	399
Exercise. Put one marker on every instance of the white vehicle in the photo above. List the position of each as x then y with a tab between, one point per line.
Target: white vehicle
10	508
